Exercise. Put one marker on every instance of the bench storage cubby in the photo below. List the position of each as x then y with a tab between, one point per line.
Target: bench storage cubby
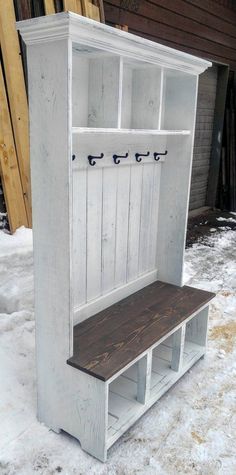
112	120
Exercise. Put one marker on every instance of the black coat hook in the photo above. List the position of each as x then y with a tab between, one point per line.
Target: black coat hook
157	155
116	158
73	157
139	155
91	159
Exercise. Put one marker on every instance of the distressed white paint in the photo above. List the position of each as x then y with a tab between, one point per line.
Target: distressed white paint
174	195
196	329
108	230
124	405
178	349
115	216
88	35
144	378
140	97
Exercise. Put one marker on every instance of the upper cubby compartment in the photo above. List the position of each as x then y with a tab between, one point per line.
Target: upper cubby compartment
113	92
178	100
141	95
95	89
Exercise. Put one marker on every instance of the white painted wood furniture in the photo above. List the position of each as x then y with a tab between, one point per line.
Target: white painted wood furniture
109	226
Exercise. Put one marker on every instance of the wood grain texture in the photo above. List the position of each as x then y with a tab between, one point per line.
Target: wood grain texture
107	342
49	83
9	170
49	7
89	10
198	27
17	95
23	9
72	6
38	8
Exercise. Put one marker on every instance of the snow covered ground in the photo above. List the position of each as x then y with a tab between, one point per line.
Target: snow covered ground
191	430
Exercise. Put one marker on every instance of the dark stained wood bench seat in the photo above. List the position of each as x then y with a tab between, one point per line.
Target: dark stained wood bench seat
108	341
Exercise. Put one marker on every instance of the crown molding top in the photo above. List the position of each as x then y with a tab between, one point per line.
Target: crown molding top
89	33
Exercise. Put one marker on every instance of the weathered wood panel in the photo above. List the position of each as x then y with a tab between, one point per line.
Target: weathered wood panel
204	28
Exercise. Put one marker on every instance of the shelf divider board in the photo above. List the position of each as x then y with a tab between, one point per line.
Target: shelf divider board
121	73
178	349
144	377
112	130
161	99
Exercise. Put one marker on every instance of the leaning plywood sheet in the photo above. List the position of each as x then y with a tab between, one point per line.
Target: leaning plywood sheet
9	166
16	94
72	6
49	7
90	10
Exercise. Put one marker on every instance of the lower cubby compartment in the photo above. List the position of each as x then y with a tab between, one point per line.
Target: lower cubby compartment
123	407
195	337
161	366
122	402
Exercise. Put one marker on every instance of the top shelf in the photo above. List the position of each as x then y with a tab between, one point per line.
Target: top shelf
93	130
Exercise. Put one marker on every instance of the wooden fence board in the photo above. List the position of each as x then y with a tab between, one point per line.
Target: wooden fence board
72	6
17	95
23	9
90	10
49	7
11	182
38	8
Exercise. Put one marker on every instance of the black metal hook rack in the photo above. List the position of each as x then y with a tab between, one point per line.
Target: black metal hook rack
116	158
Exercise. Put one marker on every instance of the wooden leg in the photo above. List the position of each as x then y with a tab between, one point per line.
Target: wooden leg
178	349
144	378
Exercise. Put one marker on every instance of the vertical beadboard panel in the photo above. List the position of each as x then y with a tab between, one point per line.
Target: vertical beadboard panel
94	230
108	228
134	221
79	236
80	75
145	218
146	87
104	86
115	215
154	217
122	216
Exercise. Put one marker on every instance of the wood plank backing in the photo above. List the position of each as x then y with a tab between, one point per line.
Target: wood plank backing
9	170
23	9
108	341
16	94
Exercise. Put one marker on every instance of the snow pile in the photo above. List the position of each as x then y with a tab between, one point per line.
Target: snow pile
191	430
227	220
16	271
